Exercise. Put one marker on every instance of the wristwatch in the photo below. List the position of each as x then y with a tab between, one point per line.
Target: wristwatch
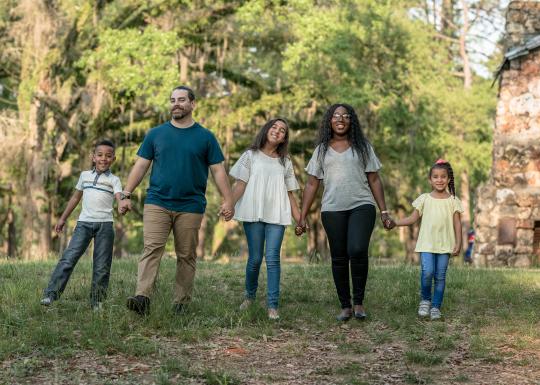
125	195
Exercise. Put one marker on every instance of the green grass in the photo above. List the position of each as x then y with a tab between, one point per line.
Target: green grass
423	357
484	310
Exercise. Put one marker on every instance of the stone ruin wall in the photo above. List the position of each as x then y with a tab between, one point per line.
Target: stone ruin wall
508	207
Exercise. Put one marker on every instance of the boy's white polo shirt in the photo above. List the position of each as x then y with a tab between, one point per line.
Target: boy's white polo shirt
98	195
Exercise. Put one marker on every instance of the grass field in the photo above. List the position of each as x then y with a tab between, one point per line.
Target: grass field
490	333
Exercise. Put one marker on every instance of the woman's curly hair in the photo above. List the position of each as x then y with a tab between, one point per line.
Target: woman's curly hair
355	136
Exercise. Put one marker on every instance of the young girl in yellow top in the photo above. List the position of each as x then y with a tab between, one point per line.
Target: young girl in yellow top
440	235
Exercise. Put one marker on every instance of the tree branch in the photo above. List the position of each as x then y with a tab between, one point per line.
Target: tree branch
236	77
445	37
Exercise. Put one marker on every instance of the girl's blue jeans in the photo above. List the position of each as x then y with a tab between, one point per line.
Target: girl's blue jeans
261	236
434	268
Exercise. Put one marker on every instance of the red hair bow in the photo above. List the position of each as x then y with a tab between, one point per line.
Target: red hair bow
440	161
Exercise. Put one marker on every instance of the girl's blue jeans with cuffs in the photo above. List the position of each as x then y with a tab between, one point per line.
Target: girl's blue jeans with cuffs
264	239
433	274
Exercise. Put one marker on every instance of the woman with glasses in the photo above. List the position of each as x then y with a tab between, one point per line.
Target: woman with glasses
346	163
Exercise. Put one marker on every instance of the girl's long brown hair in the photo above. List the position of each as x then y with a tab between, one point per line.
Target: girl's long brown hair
261	139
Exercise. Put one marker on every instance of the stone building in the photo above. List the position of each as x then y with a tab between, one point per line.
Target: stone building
507	218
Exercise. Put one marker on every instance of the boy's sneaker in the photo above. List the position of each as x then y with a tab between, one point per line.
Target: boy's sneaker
435	313
423	308
47	301
139	304
97	307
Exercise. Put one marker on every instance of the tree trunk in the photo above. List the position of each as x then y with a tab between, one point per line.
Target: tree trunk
317	243
466	202
183	63
311	241
202	237
467	84
447	18
411	236
40	25
12	235
322	242
467	75
36	233
119	237
11	230
119	226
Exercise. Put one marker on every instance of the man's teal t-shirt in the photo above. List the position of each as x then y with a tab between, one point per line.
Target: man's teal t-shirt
180	159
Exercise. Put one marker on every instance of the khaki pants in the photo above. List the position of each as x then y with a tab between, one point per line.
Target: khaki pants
158	222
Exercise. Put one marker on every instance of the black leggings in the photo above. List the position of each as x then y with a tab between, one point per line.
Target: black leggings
348	234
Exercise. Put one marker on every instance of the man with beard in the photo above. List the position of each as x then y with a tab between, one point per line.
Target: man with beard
180	151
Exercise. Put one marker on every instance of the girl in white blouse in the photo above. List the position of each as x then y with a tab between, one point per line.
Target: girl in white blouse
265	203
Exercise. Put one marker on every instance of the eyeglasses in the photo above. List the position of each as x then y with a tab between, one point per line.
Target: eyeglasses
339	116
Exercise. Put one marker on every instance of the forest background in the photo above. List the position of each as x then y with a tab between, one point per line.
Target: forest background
418	72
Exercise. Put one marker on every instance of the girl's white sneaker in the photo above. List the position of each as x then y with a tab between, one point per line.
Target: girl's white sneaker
423	308
435	313
273	314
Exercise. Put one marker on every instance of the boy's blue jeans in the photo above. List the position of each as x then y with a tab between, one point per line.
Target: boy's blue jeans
103	235
433	270
257	233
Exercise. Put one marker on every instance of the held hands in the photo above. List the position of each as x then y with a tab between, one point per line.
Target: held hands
387	221
124	206
457	249
301	227
226	211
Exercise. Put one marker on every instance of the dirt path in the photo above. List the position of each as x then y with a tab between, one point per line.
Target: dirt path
288	357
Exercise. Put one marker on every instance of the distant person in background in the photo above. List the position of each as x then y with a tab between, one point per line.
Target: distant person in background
98	188
467	256
265	203
439	236
180	151
346	163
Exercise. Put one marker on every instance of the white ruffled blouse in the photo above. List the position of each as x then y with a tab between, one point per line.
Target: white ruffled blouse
268	183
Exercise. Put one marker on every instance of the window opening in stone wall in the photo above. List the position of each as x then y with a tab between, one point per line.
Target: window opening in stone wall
536	238
507	231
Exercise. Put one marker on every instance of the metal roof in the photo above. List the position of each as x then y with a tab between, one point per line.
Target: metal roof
515	52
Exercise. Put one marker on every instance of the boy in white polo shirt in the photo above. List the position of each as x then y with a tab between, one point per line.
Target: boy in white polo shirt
98	188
